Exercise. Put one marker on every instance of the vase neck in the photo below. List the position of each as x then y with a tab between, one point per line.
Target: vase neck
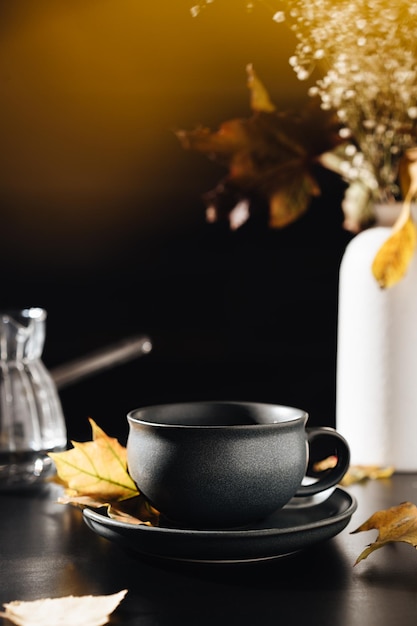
386	214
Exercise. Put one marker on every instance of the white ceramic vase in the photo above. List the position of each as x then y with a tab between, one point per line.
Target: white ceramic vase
376	375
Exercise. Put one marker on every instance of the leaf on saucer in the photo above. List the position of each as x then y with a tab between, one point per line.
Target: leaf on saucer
66	611
134	511
96	468
398	523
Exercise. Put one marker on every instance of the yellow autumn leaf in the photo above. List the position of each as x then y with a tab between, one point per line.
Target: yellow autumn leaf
96	468
392	259
398	523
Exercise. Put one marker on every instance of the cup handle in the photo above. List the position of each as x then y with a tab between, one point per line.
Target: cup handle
336	445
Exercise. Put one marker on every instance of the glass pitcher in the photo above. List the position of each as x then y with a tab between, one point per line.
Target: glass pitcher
31	417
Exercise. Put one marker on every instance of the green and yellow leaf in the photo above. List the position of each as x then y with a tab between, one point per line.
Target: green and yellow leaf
94	474
96	468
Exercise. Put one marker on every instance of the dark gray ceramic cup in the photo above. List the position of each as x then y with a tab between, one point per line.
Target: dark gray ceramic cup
227	464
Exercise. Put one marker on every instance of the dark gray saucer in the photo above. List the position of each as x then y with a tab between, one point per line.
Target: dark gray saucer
286	531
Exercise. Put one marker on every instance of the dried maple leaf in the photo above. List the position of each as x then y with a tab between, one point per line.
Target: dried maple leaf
269	157
136	510
66	611
95	474
399	523
96	468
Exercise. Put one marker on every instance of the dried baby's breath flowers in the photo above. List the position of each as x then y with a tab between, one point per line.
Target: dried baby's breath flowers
367	50
360	58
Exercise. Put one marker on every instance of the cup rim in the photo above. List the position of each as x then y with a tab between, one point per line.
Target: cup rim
288	414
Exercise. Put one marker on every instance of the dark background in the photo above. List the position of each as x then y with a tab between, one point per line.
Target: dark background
103	216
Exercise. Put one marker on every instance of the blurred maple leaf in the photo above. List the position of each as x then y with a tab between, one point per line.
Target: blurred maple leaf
399	523
95	474
269	156
362	473
355	473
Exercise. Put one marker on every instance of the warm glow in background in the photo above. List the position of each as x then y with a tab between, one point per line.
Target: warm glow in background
102	211
91	91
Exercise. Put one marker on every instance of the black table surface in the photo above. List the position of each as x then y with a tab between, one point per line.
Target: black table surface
46	550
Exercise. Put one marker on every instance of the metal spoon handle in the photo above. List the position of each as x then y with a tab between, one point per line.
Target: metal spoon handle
100	360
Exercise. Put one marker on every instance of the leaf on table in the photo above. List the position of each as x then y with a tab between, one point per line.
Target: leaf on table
95	474
398	523
361	473
355	473
65	611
